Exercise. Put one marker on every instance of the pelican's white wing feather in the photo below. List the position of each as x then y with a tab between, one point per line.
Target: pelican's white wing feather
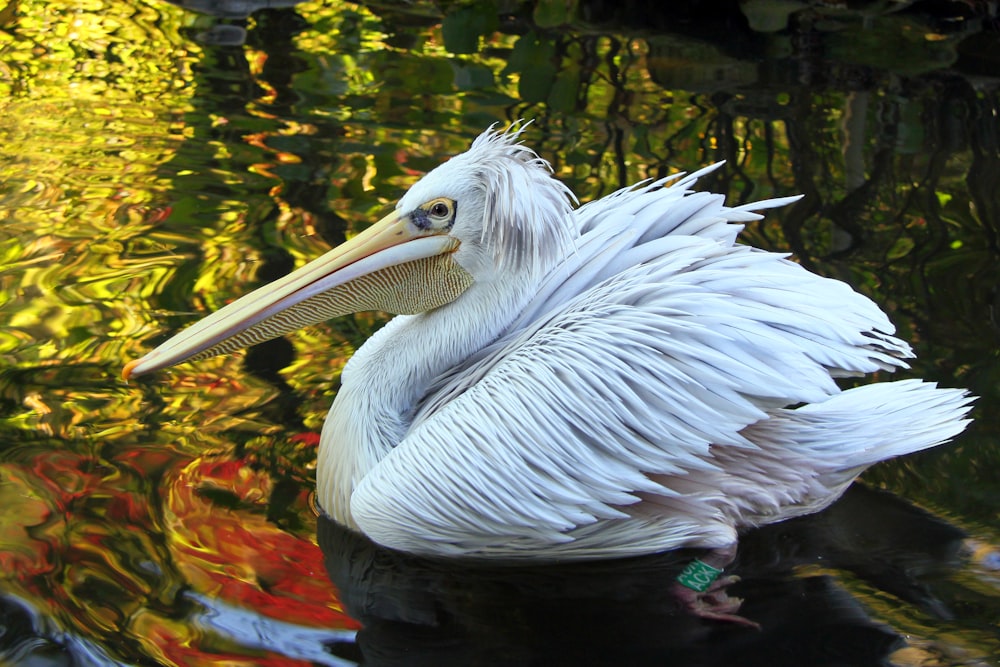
616	383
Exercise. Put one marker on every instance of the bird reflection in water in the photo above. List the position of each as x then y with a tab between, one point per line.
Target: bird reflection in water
423	611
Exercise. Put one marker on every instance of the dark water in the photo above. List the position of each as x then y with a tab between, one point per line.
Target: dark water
157	162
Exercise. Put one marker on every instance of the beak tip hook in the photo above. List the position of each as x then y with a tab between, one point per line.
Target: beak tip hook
129	369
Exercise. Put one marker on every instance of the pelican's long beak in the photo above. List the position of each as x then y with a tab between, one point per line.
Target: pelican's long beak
393	266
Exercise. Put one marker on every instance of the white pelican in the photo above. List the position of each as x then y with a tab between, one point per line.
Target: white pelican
619	379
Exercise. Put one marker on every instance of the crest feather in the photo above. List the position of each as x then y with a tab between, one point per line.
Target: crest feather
527	215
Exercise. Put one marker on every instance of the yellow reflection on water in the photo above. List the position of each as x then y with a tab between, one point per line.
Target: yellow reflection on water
146	179
88	102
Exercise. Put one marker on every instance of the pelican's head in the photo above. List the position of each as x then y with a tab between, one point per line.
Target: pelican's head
491	213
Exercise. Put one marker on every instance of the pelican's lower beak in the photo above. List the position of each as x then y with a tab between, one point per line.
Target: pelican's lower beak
392	266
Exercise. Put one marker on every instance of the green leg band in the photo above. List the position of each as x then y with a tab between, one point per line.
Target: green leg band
698	576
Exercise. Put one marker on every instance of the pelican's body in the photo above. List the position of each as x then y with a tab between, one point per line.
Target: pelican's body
620	379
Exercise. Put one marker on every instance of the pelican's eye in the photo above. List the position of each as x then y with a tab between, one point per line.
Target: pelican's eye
437	215
440	210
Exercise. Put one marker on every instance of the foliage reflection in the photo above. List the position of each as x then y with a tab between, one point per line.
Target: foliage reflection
151	173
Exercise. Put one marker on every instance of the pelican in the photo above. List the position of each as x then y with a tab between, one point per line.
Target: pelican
616	379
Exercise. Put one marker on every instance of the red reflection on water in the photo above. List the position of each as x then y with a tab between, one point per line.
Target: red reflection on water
235	553
82	544
309	438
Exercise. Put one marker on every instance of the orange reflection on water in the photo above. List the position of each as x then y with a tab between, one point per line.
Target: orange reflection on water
232	551
146	178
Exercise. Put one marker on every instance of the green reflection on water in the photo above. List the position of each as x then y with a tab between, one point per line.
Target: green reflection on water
149	178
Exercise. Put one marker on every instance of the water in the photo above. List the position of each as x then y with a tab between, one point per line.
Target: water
157	162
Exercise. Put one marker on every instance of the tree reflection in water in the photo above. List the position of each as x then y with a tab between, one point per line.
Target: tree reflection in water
149	175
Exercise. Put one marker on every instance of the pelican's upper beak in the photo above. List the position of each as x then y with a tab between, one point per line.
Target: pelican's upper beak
394	266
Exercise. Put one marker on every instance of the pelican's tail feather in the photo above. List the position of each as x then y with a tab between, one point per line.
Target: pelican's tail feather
872	423
809	455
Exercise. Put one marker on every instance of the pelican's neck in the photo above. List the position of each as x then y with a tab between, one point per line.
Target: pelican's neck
382	384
